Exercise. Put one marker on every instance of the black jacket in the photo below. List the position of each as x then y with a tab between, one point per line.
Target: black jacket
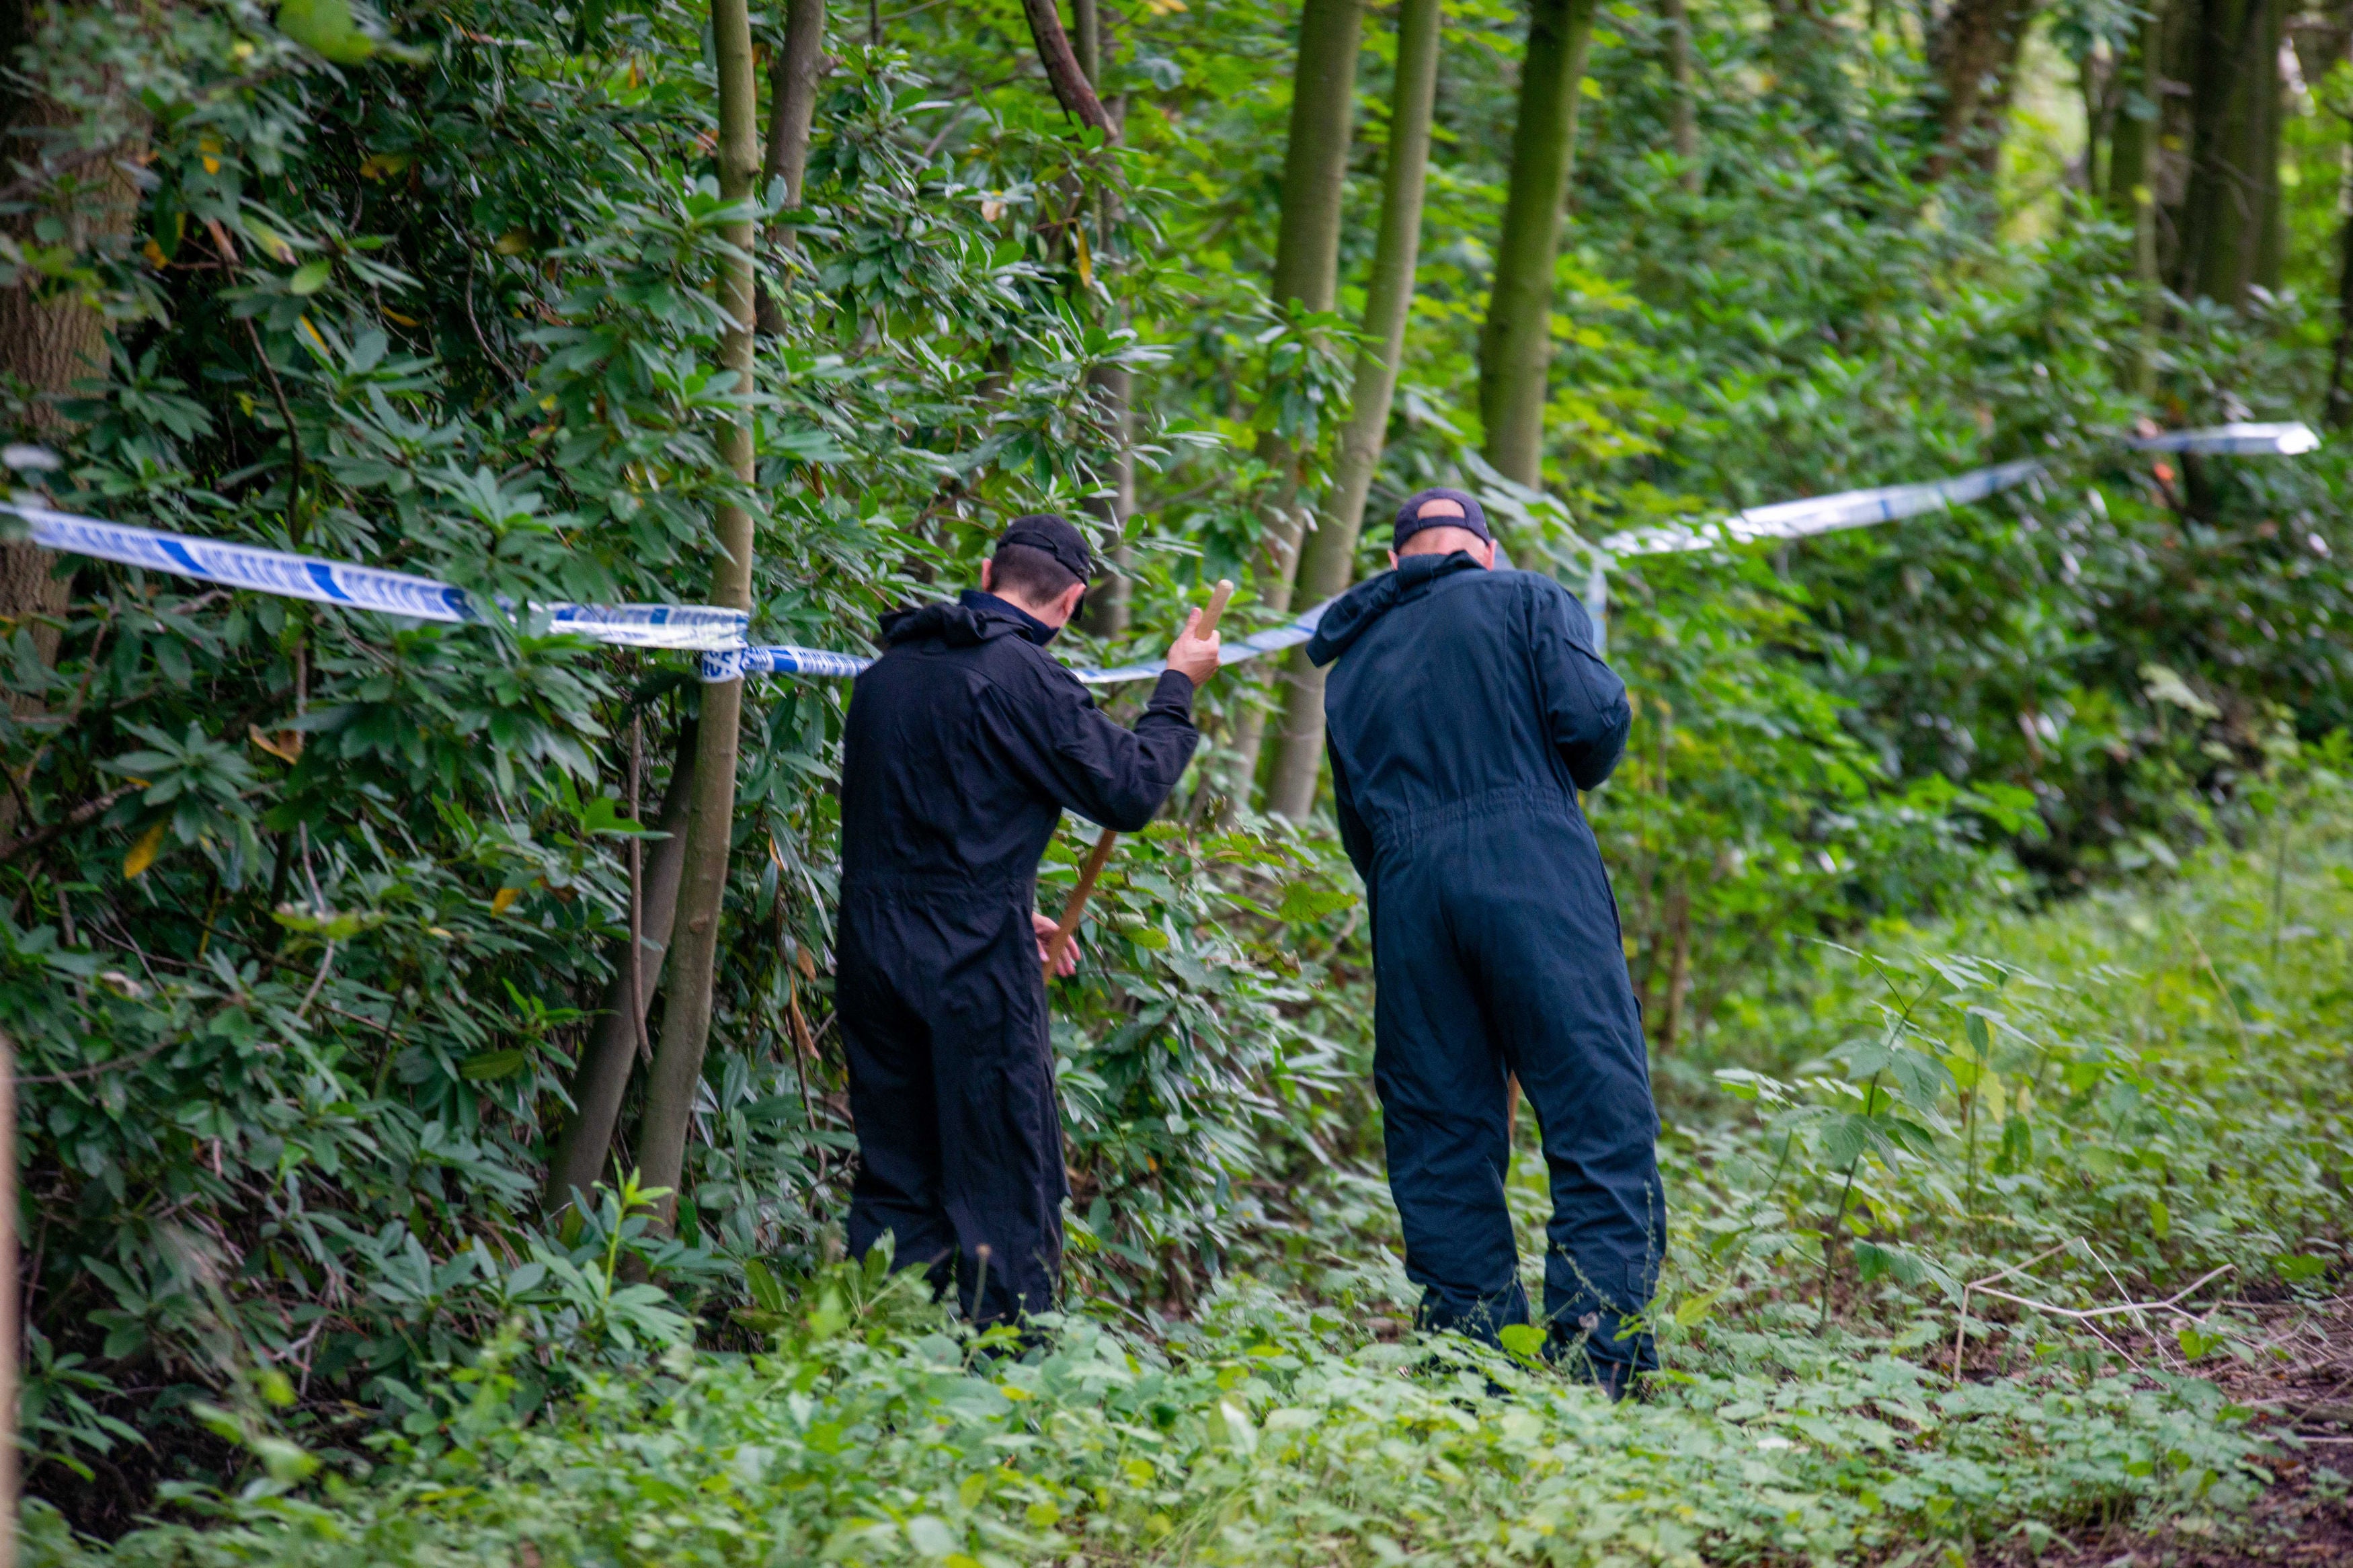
1460	687
966	740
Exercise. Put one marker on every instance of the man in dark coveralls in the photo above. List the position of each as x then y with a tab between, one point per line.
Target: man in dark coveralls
1465	712
965	743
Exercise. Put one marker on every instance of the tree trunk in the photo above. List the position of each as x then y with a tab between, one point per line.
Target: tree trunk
676	1078
2133	153
1113	386
49	340
2339	410
1971	58
1683	126
1329	562
2231	209
1515	345
1307	269
603	1075
792	110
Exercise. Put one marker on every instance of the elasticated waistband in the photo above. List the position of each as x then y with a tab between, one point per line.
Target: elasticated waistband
1398	831
882	882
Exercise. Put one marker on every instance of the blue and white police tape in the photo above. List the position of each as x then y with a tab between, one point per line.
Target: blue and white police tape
731	664
1783	519
2290	440
1826	514
689	627
718	634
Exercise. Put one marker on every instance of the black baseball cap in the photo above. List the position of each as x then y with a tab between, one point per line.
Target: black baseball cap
1056	536
1409	520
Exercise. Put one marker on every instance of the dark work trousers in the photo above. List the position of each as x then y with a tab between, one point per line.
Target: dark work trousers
943	1011
1496	944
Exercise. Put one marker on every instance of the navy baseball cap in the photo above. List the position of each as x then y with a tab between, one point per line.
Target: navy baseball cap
1056	536
1409	520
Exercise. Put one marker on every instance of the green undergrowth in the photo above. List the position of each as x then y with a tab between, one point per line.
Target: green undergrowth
2136	1096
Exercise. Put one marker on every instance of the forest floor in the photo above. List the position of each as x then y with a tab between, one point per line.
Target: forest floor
2131	1111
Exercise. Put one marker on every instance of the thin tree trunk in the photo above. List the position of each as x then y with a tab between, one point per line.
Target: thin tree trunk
2339	411
1108	603
1086	41
2231	205
1328	562
1683	126
1970	61
792	110
605	1061
2133	151
49	340
676	1078
1515	345
1306	270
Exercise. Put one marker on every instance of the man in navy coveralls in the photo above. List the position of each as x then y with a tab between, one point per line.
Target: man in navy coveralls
1466	708
965	743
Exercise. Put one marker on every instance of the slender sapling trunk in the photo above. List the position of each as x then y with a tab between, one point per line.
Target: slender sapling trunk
676	1076
1516	346
1327	565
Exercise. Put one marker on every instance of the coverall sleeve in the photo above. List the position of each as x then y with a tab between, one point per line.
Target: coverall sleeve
1065	748
1585	708
1354	837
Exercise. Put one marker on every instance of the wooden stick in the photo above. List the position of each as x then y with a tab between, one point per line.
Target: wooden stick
1097	857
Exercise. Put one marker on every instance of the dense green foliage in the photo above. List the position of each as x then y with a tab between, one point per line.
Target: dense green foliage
2181	1110
297	997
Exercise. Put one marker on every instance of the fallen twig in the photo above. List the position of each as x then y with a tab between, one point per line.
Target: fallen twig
2080	1315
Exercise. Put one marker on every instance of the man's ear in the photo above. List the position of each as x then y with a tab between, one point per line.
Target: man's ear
986	573
1487	556
1392	560
1068	605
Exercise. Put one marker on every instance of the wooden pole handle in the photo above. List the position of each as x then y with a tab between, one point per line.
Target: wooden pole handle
1216	607
1077	908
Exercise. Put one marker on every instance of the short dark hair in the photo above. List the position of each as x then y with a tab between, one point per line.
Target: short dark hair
1029	572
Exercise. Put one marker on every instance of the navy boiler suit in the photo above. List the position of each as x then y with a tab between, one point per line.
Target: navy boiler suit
965	741
1466	710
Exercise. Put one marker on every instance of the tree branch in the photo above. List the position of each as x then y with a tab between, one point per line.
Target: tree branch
1072	89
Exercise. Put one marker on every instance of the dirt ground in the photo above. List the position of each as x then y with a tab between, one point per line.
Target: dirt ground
2299	1381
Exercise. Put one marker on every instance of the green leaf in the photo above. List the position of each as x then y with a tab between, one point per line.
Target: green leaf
310	277
489	1065
324	27
1691	1309
1522	1341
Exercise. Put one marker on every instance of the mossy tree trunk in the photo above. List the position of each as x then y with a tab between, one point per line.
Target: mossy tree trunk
2230	215
1113	386
1683	124
2133	151
1307	272
1515	345
602	1077
676	1076
1328	562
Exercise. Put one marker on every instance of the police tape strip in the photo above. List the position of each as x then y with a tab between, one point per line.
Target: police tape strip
688	627
1783	519
2291	440
718	634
